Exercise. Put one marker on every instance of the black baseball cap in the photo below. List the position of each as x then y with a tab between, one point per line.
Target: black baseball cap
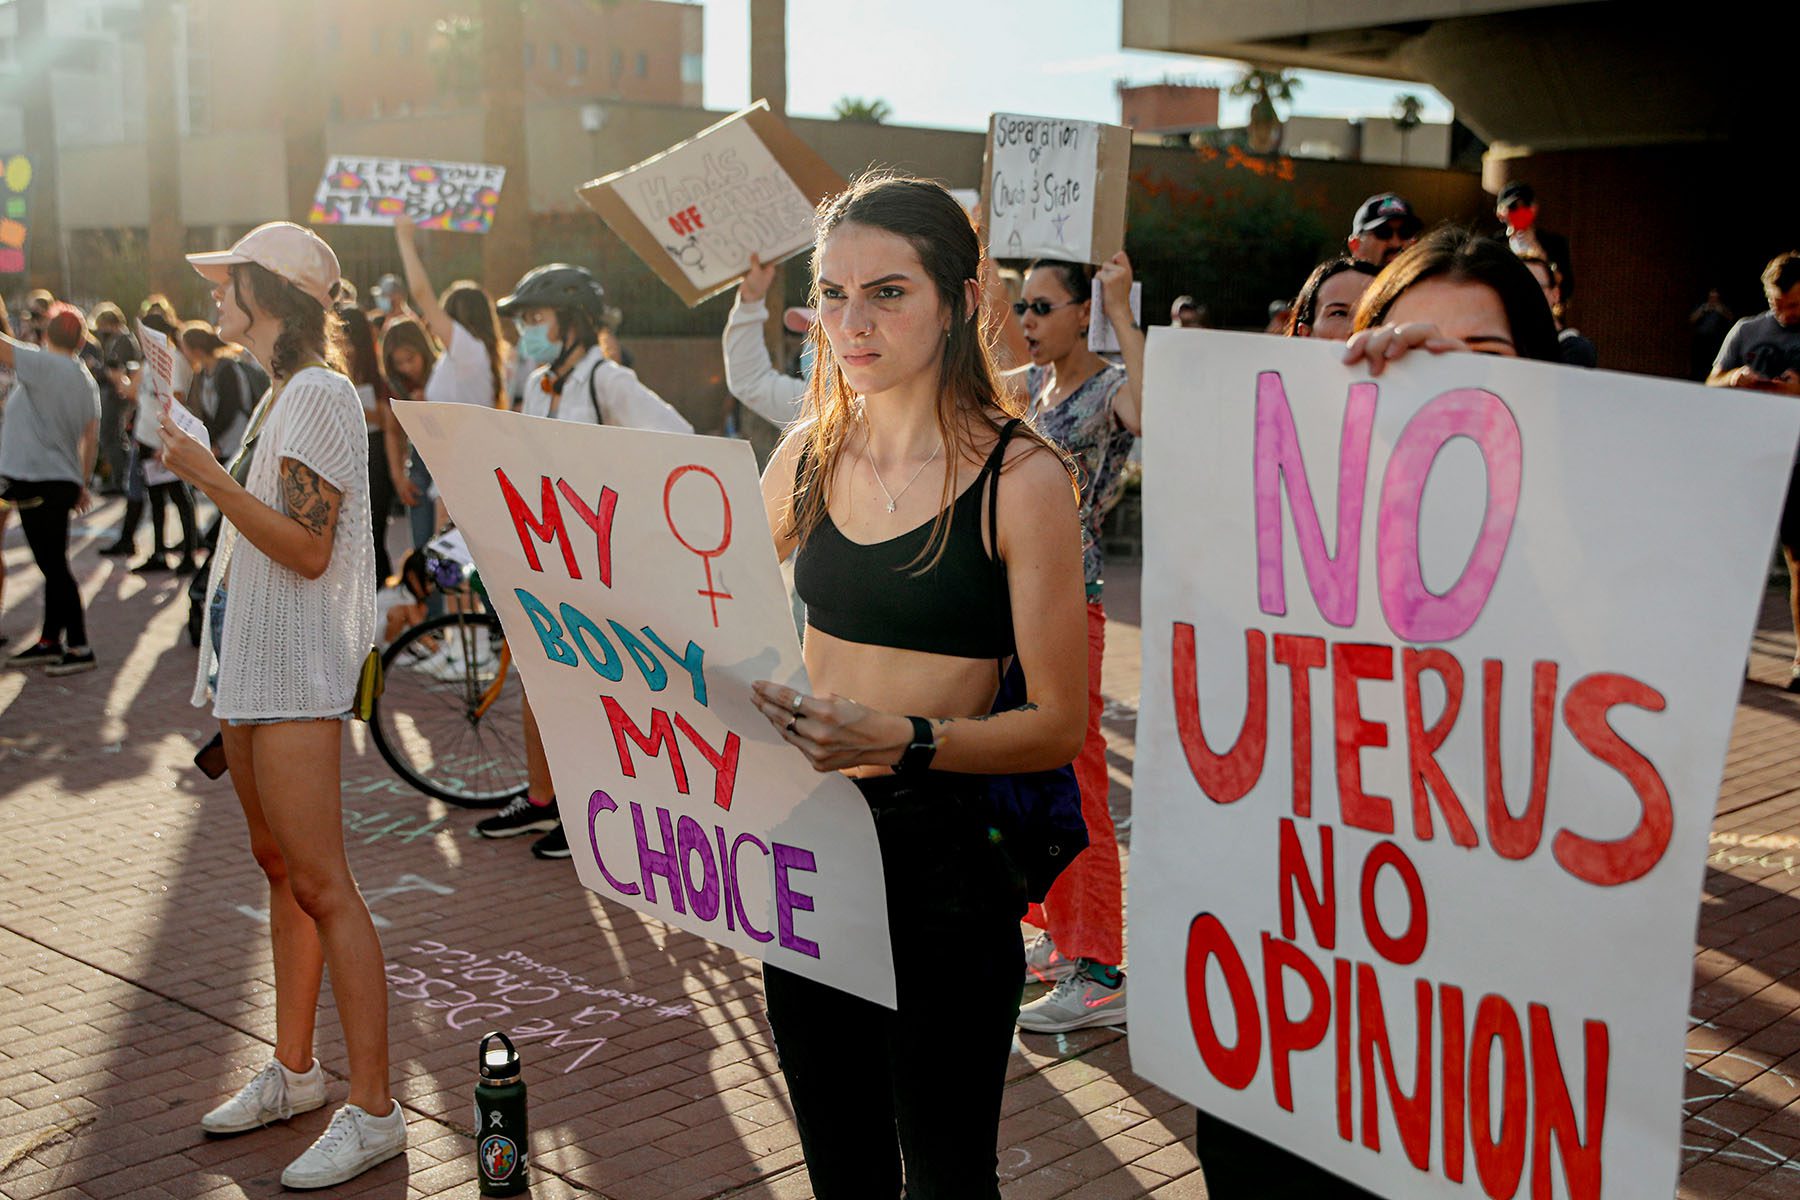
1515	193
1378	210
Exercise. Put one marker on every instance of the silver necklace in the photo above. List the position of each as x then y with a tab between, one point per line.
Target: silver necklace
893	498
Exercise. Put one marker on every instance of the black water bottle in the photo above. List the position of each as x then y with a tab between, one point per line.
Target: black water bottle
500	1136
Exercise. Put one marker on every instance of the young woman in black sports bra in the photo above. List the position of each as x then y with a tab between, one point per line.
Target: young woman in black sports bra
935	537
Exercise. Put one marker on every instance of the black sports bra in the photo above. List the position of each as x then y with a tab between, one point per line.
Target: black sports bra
874	594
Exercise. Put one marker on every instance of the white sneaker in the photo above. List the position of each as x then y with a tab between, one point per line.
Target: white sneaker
1076	1003
1044	963
273	1094
350	1145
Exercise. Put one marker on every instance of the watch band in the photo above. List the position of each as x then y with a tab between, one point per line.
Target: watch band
916	758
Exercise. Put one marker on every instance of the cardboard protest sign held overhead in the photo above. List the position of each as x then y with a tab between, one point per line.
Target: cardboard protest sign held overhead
1055	188
436	195
637	583
1439	675
1102	337
696	212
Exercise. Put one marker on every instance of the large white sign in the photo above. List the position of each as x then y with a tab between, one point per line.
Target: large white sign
637	582
1439	671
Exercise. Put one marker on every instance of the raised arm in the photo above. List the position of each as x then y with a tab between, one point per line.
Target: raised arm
424	296
1115	294
750	377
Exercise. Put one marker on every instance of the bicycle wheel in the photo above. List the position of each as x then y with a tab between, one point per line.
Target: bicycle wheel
450	718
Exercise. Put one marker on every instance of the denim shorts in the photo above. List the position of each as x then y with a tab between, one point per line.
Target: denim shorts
216	622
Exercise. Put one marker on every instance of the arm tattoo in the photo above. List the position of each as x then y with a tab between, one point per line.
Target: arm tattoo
308	499
1026	707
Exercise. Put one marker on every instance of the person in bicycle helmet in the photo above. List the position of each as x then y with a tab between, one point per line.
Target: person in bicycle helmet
560	309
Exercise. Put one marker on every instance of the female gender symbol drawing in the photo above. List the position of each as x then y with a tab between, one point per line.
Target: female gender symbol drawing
712	594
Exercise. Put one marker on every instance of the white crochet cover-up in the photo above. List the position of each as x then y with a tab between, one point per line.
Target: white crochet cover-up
293	647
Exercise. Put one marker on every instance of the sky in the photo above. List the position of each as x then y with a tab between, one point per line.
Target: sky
949	63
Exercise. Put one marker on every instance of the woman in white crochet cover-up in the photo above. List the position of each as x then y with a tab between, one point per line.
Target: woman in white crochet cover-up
290	617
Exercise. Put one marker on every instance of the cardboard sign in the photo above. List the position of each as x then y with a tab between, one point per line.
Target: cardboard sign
436	195
15	212
1055	188
1102	337
1439	672
637	582
696	212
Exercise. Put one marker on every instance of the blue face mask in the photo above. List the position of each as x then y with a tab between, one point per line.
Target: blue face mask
535	344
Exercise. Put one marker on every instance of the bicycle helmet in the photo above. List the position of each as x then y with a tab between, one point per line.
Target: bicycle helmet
557	285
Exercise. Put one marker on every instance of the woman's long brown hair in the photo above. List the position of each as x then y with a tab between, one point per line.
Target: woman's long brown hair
969	392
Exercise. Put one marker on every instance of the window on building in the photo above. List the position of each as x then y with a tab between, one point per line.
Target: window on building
581	60
693	68
334	36
618	63
530	56
375	41
404	48
643	64
555	56
337	107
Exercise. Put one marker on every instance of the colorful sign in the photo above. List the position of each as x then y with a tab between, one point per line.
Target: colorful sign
1055	188
637	582
1439	672
436	195
15	212
696	212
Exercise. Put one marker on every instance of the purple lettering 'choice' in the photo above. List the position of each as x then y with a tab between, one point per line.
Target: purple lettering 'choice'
761	935
1413	611
691	839
598	803
792	858
658	862
1331	577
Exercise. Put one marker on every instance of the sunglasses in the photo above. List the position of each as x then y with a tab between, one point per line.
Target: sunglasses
1042	308
1390	232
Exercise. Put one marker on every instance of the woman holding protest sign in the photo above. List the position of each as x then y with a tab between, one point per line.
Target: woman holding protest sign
934	536
1090	408
1453	290
1326	305
290	619
561	310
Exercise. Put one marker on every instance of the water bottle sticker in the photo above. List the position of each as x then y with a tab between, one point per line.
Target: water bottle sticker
498	1157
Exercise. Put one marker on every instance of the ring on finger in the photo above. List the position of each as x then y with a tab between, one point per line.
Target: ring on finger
796	702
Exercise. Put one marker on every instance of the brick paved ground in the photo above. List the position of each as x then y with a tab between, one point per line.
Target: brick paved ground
135	987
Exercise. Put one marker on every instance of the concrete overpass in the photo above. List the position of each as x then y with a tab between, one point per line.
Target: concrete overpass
1655	135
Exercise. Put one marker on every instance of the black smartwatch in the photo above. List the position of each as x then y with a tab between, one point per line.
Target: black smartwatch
916	758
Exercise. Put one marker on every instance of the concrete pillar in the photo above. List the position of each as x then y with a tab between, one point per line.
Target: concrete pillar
506	251
168	233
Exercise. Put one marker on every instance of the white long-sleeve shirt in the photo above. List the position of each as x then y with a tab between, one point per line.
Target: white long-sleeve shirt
599	392
749	375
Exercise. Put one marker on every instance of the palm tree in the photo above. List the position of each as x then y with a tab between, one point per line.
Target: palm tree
854	108
1407	108
1268	87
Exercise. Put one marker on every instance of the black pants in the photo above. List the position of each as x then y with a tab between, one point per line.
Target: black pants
871	1088
44	509
381	504
162	494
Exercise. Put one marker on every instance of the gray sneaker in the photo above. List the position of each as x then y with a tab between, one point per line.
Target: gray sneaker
1044	963
1076	1003
273	1094
350	1145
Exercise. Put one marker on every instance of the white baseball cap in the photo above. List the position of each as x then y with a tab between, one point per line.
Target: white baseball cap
290	251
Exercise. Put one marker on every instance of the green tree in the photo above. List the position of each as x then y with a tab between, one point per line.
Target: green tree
1407	108
854	108
1267	88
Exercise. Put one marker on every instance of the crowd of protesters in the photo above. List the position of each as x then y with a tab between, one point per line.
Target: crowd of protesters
921	372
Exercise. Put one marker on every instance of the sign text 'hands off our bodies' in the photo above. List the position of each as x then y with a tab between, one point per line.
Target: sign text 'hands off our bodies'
1439	675
637	583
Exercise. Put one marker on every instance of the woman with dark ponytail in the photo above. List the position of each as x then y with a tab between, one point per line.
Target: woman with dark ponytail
290	618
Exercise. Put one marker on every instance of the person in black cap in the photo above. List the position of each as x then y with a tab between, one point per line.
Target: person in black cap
1385	225
1517	208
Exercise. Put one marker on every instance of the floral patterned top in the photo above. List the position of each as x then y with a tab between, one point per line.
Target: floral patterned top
1089	430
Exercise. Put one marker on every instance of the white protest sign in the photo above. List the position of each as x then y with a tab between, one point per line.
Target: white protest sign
696	212
1439	672
159	364
637	583
1055	188
358	190
1102	337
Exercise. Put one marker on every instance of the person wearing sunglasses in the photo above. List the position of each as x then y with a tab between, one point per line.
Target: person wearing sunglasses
1091	409
1384	226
